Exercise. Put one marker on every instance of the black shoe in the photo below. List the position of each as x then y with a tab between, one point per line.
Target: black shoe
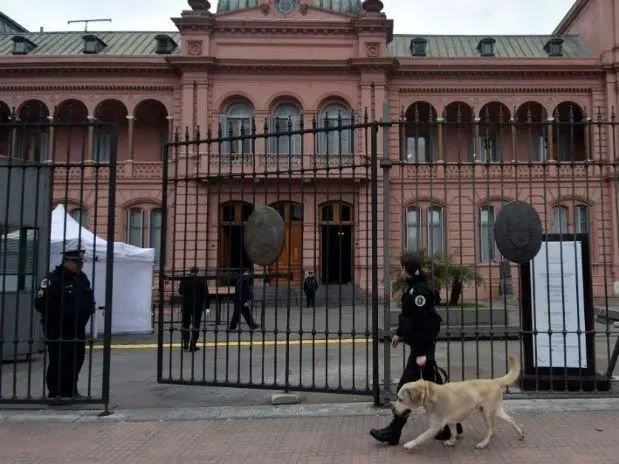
193	348
185	346
444	434
459	429
77	396
390	434
254	326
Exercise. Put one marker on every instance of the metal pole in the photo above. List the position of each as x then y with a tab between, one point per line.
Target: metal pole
385	164
374	209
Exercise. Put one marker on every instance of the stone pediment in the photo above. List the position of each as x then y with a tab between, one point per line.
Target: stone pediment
267	11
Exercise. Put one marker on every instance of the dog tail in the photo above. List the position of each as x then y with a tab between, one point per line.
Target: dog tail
513	374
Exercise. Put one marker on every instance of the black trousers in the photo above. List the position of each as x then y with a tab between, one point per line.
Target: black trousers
236	315
413	372
192	316
65	360
311	298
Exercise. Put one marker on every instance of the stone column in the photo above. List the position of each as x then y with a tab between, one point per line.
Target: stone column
50	141
130	120
440	137
90	147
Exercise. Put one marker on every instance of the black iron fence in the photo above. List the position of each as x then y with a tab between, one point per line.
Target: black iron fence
354	193
51	165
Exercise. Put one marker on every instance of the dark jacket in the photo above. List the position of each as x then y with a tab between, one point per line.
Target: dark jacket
243	290
419	323
66	302
310	284
194	291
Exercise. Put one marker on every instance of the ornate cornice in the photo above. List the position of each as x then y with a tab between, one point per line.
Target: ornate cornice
87	87
495	90
68	65
503	73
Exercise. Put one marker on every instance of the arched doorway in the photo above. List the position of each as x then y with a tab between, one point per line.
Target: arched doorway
232	218
290	261
336	242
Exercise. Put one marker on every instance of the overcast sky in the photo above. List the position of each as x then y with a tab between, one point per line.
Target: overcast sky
411	16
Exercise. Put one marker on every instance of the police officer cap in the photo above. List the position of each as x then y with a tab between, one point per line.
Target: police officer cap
73	255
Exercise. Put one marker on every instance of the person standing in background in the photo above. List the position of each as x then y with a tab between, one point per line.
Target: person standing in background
196	299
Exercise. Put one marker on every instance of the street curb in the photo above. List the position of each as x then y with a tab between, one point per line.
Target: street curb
279	412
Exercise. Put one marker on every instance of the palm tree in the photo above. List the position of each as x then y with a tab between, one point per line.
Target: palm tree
444	274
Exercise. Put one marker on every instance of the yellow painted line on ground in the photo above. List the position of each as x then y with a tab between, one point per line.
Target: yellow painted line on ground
242	343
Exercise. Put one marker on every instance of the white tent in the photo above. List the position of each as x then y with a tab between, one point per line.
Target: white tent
133	273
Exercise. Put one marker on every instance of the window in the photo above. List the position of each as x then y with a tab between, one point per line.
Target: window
286	118
165	45
33	146
237	122
486	47
581	219
22	46
80	216
418	46
413	231
417	149
93	44
554	47
489	149
102	146
486	234
334	140
18	259
560	222
154	239
540	149
135	227
564	144
435	230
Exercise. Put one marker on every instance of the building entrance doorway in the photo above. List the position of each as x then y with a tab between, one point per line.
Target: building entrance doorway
290	261
232	219
336	242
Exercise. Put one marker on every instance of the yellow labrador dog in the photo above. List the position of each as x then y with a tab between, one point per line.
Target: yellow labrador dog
452	403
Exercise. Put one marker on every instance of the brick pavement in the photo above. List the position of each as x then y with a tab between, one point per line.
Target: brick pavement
552	437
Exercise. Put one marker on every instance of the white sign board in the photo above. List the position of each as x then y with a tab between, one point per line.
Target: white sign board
557	287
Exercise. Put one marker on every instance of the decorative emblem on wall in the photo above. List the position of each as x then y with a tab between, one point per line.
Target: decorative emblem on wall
518	232
372	49
194	47
264	236
285	6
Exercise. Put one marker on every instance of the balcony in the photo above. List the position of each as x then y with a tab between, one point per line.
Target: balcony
89	171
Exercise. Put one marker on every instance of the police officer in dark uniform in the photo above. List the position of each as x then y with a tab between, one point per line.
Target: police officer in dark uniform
243	295
196	297
65	301
310	287
418	327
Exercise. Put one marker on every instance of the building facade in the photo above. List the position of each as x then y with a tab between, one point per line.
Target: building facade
476	122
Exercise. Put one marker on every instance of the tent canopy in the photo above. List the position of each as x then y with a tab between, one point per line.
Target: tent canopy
67	230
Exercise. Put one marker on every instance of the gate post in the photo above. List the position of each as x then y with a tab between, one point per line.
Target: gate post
385	164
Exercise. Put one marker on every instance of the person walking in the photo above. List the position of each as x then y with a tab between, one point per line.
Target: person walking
65	300
243	295
419	325
195	299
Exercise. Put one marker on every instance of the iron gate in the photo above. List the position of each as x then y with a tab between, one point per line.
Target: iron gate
445	175
323	182
57	172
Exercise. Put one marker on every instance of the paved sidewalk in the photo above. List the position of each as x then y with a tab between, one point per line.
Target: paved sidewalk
556	433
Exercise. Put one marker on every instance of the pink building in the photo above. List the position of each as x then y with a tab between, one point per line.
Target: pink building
483	120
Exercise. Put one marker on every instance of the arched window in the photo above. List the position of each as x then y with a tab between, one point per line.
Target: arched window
335	141
286	118
236	123
436	233
135	227
579	224
80	216
560	222
486	234
154	239
413	231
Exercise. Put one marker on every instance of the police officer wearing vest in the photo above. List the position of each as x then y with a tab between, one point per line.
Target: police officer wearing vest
419	325
65	301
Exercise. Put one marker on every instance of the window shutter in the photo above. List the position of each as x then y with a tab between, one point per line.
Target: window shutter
271	139
498	149
295	140
471	147
225	132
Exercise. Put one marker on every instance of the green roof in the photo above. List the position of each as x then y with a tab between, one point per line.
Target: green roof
506	46
7	25
72	43
340	6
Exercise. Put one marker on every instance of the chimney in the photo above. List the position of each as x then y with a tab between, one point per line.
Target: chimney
41	29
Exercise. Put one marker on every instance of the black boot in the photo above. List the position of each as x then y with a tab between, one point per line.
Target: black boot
445	434
390	434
